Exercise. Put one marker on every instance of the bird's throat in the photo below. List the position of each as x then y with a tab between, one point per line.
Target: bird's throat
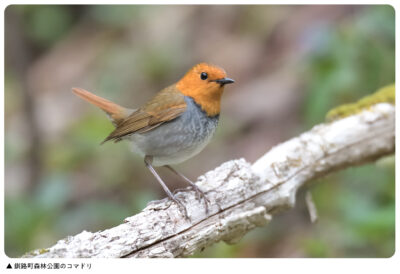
210	103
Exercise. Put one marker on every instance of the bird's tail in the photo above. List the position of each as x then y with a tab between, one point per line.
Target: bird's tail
116	112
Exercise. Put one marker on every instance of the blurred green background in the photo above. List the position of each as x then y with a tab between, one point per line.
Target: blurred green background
291	65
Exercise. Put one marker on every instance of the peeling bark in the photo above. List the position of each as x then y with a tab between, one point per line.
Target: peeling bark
243	196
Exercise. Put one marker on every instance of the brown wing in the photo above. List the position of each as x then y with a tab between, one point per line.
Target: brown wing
167	105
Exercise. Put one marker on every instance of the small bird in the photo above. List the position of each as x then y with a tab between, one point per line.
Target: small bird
173	126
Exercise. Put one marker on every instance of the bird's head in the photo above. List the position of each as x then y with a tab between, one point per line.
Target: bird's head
205	84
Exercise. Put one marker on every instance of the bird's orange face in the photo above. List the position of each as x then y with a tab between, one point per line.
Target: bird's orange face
205	84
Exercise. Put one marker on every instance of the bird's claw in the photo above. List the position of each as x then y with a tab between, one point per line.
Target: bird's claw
200	194
182	207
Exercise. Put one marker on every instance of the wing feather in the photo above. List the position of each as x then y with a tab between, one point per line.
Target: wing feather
167	105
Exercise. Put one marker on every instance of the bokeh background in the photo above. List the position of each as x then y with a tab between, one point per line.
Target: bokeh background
291	65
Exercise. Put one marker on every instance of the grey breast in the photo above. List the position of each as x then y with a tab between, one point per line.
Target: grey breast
177	140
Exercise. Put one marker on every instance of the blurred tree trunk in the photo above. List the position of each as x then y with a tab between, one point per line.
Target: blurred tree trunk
19	56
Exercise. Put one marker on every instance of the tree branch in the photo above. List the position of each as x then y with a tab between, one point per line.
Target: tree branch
243	196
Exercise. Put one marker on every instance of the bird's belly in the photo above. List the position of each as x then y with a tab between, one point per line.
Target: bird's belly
178	140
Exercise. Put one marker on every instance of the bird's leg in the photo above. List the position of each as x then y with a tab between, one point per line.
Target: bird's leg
148	161
196	188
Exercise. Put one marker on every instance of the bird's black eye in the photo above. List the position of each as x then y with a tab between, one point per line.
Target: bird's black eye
203	75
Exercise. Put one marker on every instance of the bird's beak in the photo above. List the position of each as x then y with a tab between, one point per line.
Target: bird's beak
224	81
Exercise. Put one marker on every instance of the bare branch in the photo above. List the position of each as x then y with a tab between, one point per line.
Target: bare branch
312	209
243	196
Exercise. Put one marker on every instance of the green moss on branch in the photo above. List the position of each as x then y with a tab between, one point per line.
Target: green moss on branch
383	95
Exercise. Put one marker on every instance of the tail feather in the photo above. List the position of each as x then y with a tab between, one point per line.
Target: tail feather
116	112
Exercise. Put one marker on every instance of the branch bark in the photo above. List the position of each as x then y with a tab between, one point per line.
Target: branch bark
243	196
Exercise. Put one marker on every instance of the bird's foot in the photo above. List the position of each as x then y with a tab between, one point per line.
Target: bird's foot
200	194
181	206
196	188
